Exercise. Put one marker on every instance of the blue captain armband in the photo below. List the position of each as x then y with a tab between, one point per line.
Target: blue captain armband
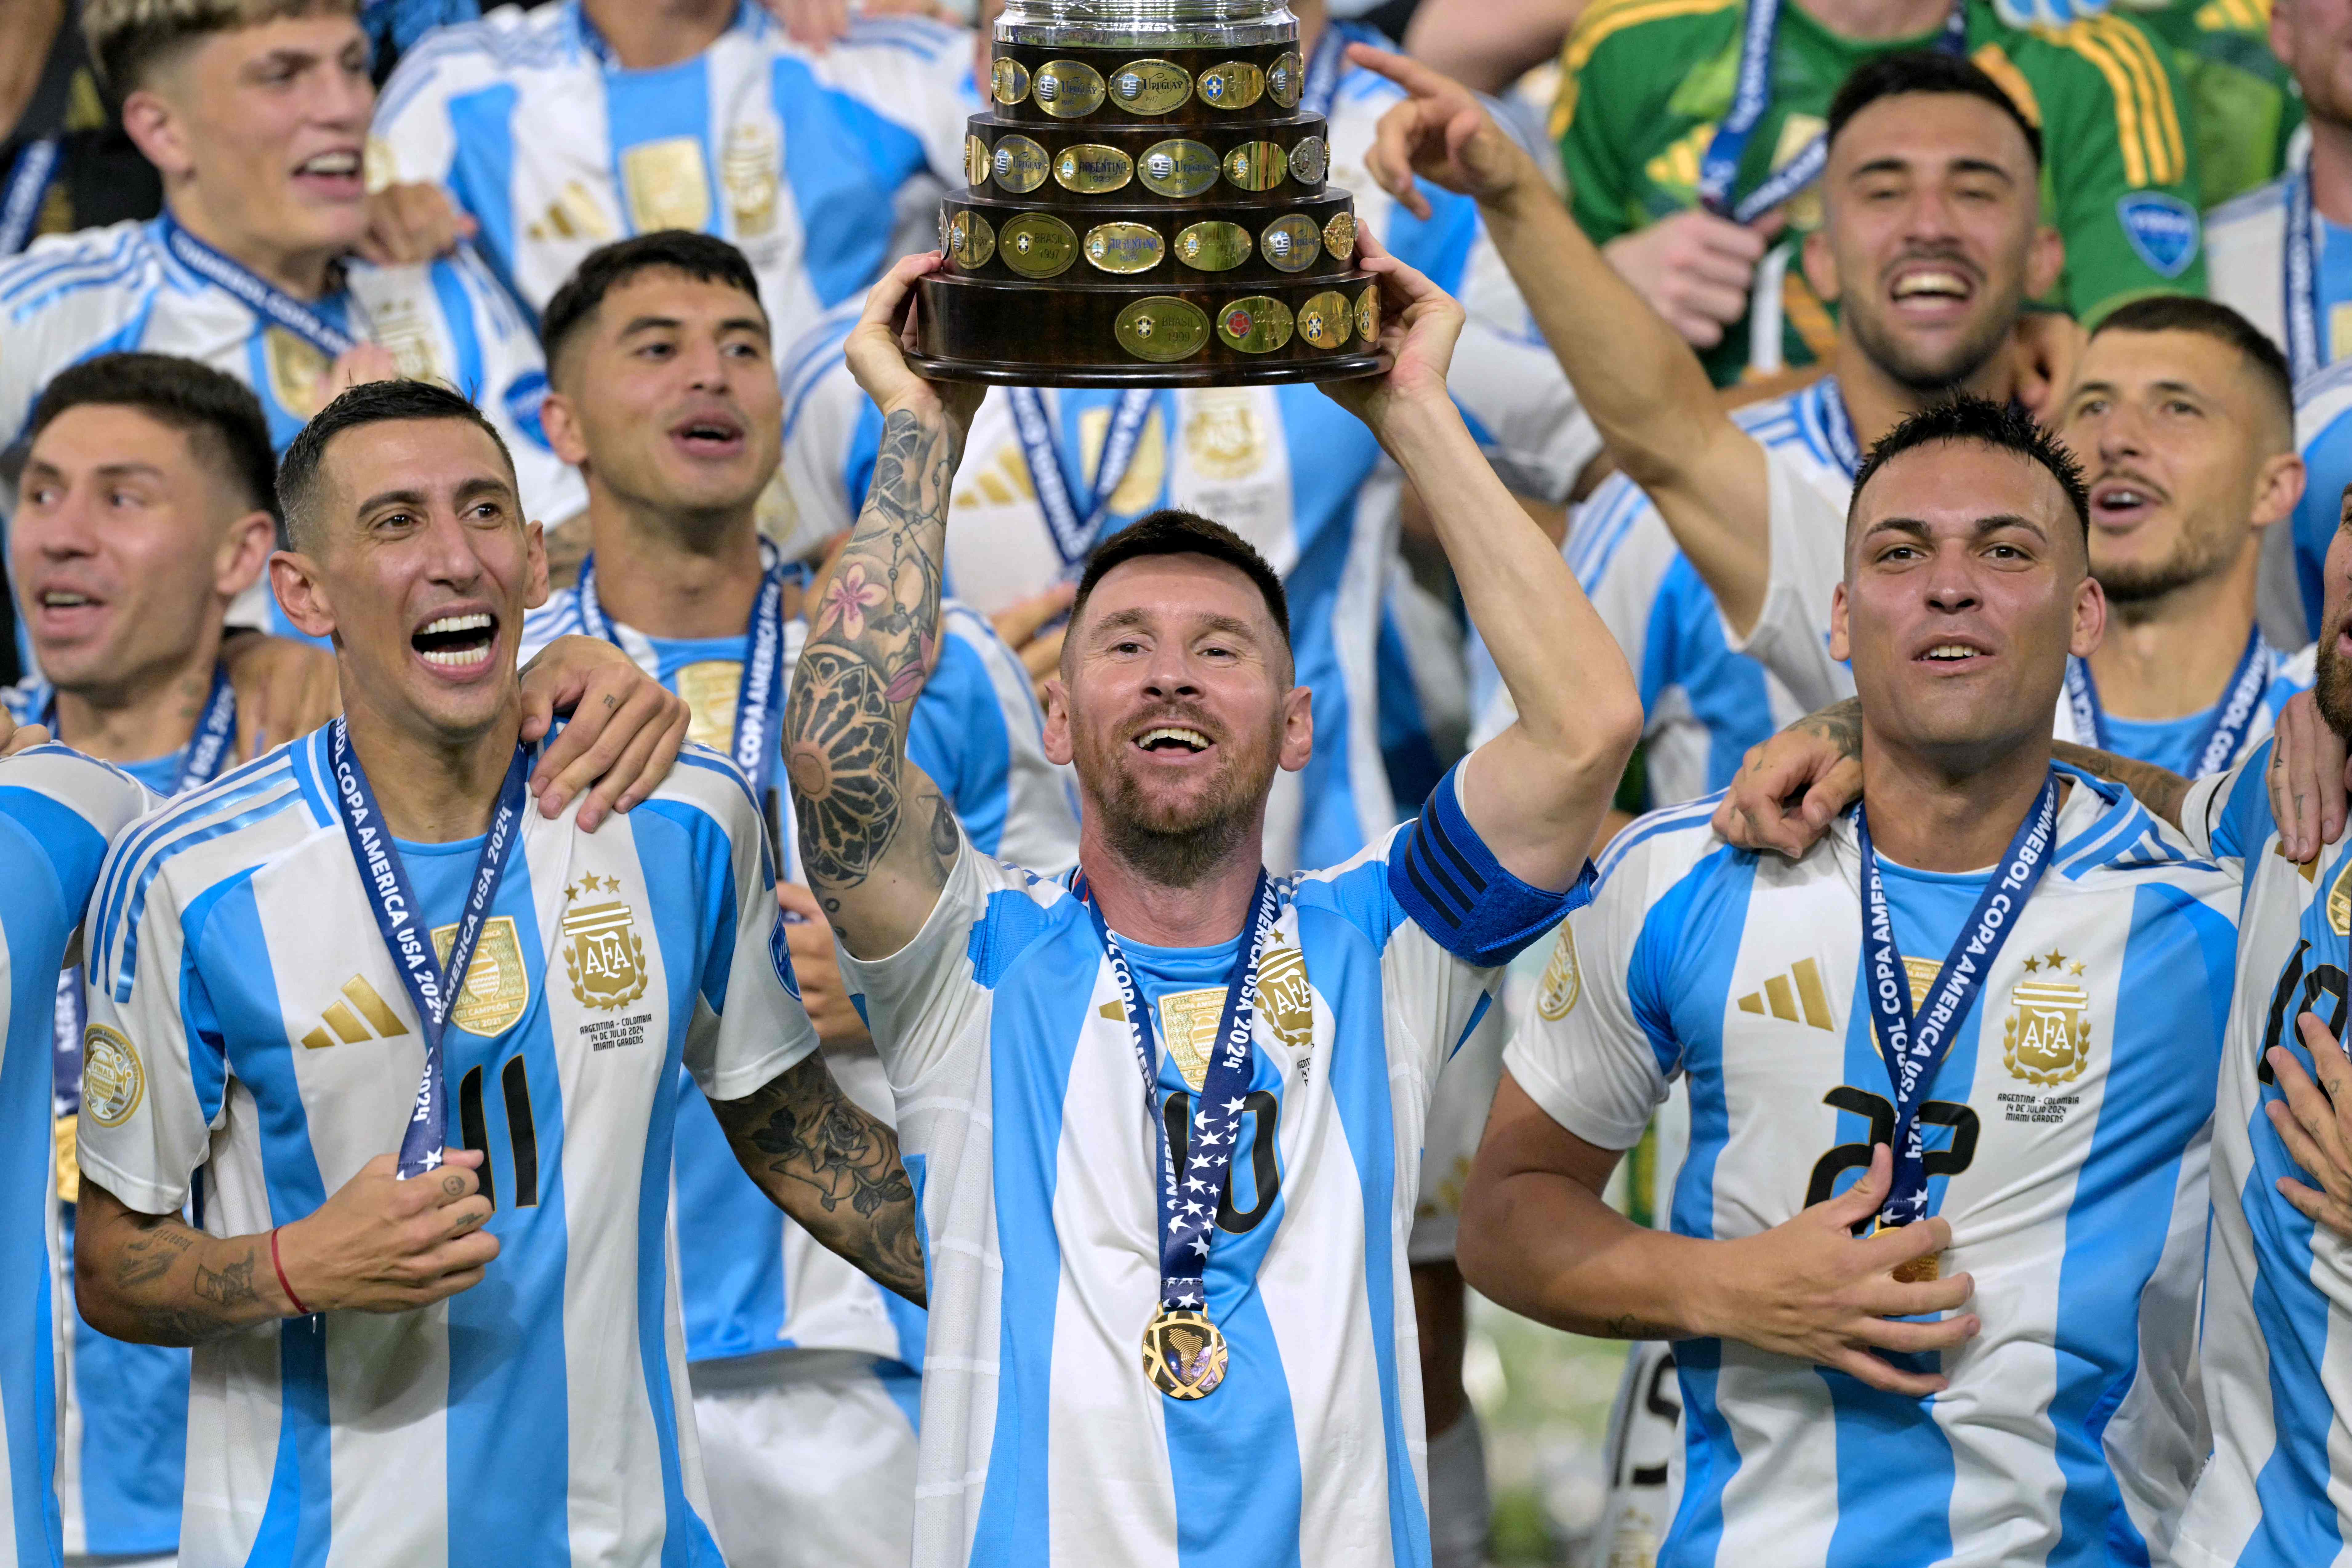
1455	889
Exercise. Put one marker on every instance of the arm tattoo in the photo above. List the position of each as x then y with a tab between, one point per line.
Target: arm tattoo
175	1306
2160	790
833	1167
1626	1326
874	637
1839	723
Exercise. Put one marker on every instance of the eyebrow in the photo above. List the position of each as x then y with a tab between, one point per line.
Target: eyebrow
1895	165
672	324
104	470
1140	618
419	500
1911	527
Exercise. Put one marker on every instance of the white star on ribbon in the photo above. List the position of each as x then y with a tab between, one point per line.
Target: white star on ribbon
432	1159
1234	1105
1202	1247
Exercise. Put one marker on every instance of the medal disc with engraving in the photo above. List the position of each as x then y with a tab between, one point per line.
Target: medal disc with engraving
1256	325
1214	247
975	161
1067	89
1150	86
1236	84
1184	1354
1326	320
1038	244
1125	247
1091	168
971	240
1177	168
1368	315
1339	236
1308	160
1162	329
1009	81
1291	244
1285	78
1256	165
1019	164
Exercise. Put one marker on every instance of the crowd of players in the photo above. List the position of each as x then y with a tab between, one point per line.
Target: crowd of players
383	380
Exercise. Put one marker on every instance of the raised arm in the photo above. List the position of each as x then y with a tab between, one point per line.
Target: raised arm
1632	371
1537	791
877	837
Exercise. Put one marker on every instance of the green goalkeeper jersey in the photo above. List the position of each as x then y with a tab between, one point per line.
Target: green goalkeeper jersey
1645	82
2241	101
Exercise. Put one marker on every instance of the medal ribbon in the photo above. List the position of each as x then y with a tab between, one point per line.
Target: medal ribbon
2300	282
1916	1049
1188	1224
1751	99
760	696
1838	424
256	294
1041	447
28	182
199	765
400	919
2218	747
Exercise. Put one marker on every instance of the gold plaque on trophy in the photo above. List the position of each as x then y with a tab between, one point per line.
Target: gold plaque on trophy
1232	86
1019	164
1162	329
1125	247
1214	247
1291	244
1067	89
1310	158
1150	86
1090	168
1038	244
1339	236
1285	78
1326	320
1009	81
1256	165
1178	168
971	240
1257	325
1368	314
975	161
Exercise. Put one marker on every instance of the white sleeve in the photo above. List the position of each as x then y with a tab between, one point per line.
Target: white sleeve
51	314
916	75
1582	1052
1791	637
922	1000
413	140
824	416
2227	816
516	375
1512	390
749	1024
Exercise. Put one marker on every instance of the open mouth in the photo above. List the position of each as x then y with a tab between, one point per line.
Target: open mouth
1173	739
456	644
708	437
1954	654
2121	503
1931	286
61	610
335	173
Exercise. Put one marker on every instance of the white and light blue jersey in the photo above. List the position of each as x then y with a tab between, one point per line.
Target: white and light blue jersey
2278	1290
257	1030
2323	433
795	155
2067	1135
2178	745
58	811
1022	1120
2245	256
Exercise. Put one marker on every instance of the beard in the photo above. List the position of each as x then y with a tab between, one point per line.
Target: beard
2333	687
1180	843
2193	560
1918	373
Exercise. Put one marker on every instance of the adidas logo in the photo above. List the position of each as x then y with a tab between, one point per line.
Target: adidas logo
1796	997
360	1016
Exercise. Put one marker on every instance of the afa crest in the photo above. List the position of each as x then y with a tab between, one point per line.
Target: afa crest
603	952
2340	902
1285	1000
2047	1039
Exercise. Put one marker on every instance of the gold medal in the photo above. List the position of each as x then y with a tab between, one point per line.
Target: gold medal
1285	78
971	240
1236	84
1214	247
1150	86
1009	81
1308	160
1291	244
1184	1354
1178	168
1339	236
1067	89
1038	244
1325	320
1256	325
1162	329
975	161
1019	164
1256	165
1124	247
1091	168
1368	315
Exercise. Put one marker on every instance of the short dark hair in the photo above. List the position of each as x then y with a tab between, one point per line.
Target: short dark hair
1987	424
369	403
1174	532
704	257
128	38
218	414
1924	70
2212	319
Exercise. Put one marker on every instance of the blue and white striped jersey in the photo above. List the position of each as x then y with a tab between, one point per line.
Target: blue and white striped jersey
793	154
76	296
1020	1117
258	1031
2323	433
750	1280
58	811
2075	1105
2278	1290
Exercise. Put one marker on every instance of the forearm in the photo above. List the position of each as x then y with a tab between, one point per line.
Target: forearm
835	1168
2160	790
154	1280
1546	1246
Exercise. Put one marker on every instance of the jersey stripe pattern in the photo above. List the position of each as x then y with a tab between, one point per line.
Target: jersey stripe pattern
57	810
1022	1120
2323	432
750	1279
260	1033
795	155
2067	1140
2278	1290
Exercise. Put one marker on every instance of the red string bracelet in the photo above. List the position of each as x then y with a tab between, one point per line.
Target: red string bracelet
300	1310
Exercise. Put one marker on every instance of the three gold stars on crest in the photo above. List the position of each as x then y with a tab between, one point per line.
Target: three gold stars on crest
589	884
2057	961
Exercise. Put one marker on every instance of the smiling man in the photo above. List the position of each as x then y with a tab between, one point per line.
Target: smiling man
2005	973
417	1040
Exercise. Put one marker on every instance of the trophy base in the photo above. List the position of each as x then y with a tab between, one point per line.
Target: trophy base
1000	373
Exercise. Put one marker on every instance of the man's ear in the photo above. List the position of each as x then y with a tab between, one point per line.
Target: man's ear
301	593
1058	721
244	554
535	542
2044	262
1297	728
1841	644
1821	267
561	423
158	132
2278	490
2090	618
